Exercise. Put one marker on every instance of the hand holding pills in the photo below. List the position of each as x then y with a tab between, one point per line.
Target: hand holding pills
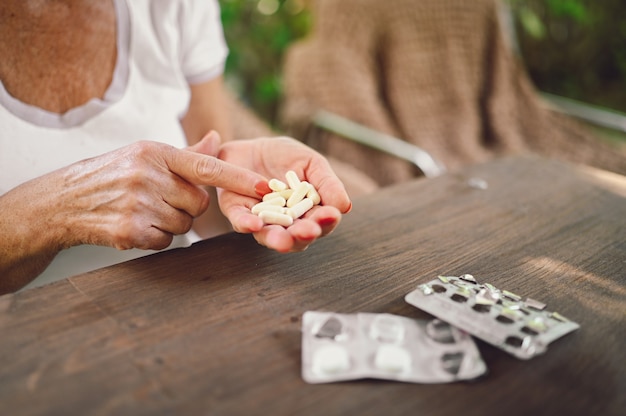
274	158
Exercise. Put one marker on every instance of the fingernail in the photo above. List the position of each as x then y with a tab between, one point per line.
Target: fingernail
323	222
262	188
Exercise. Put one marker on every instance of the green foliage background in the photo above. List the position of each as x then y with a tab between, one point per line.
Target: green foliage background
257	43
573	48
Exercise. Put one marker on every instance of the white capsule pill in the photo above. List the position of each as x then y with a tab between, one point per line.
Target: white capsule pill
267	206
298	194
286	193
279	200
272	195
392	358
330	359
280	194
314	195
300	208
270	217
277	185
292	179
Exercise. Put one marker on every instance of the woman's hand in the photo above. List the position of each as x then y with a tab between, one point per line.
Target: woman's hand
272	158
138	196
144	194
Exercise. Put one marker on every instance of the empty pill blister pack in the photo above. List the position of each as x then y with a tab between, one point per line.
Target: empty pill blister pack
504	319
340	347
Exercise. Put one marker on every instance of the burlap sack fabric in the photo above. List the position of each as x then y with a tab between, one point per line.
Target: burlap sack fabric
437	73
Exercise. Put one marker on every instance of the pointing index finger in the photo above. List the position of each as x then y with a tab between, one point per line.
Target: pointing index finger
201	169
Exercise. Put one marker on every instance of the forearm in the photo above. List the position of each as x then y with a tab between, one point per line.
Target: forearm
209	109
18	272
28	243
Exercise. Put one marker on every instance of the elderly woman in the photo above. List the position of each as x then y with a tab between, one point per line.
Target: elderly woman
105	108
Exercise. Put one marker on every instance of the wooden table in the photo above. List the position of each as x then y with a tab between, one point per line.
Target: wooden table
215	328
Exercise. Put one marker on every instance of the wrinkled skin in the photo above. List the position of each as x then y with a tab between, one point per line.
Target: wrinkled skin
138	196
143	194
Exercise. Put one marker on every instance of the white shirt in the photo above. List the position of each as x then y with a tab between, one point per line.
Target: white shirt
162	47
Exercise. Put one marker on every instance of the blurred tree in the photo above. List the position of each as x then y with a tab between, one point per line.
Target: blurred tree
258	32
575	48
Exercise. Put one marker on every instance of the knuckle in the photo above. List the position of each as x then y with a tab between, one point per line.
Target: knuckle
139	150
208	167
124	238
201	202
130	232
198	209
163	240
181	223
144	147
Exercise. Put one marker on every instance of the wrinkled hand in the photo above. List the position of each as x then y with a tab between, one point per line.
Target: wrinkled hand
143	194
272	158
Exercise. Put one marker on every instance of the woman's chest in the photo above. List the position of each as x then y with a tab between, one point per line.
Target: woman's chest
59	55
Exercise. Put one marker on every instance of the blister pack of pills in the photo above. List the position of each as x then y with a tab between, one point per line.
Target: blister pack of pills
340	347
523	328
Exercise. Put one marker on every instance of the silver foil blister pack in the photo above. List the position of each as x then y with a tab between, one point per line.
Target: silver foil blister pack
523	328
340	347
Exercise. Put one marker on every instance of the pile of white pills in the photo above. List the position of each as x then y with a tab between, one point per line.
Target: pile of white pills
287	201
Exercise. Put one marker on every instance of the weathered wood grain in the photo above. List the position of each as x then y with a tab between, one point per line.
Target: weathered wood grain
215	328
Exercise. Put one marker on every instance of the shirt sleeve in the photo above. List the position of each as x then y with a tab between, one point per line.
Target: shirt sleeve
203	47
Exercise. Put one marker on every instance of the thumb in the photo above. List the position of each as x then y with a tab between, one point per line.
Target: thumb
202	169
208	145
